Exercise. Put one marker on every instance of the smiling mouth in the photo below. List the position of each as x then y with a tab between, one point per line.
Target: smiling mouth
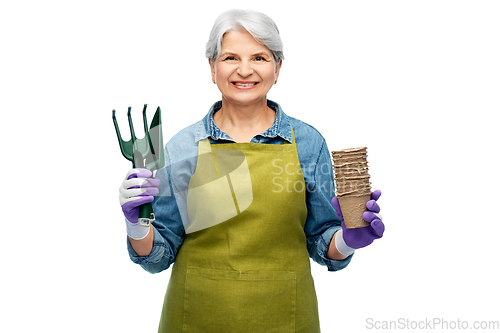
241	84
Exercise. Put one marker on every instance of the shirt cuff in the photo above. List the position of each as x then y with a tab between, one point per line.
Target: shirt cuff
322	247
156	254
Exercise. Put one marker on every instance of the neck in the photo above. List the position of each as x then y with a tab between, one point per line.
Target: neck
243	122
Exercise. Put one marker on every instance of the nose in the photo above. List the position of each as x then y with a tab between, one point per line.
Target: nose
245	69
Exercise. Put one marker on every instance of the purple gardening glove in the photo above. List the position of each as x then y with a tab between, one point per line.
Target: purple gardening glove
361	237
137	189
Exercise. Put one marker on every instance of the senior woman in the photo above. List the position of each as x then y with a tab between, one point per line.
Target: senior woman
243	202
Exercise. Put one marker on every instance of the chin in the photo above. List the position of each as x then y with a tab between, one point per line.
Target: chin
247	100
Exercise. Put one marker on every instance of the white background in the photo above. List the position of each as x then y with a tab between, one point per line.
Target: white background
415	81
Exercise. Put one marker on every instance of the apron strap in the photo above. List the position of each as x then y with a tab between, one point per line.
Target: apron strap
205	147
293	135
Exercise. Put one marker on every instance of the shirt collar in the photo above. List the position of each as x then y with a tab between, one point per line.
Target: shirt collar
281	126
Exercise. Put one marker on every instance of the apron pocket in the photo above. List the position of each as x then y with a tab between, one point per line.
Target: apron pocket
239	301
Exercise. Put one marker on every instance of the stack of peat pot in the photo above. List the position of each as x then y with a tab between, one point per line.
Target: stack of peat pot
352	184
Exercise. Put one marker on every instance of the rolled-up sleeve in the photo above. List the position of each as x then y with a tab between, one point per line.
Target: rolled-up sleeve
322	221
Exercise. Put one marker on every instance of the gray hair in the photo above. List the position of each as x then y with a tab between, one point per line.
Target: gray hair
259	25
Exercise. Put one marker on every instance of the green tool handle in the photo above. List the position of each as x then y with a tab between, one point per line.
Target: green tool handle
146	212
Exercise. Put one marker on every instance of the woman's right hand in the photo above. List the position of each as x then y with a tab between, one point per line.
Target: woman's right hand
137	188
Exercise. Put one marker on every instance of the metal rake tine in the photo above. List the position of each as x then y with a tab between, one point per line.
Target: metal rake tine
121	142
132	132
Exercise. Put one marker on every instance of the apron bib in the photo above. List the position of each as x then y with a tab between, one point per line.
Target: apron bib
243	265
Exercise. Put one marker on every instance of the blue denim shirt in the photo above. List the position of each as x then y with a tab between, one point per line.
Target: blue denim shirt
181	154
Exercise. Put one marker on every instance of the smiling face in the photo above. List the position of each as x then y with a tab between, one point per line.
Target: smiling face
245	70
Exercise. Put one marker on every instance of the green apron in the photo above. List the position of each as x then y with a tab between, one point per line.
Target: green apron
243	265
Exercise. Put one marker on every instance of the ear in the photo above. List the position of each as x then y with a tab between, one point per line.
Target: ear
212	69
277	70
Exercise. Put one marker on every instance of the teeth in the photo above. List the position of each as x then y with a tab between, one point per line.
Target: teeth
244	84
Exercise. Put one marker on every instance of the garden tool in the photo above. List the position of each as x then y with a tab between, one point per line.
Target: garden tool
144	153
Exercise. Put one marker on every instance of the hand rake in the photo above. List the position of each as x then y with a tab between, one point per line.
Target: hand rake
144	153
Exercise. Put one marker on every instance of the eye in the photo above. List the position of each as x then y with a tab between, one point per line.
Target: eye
230	58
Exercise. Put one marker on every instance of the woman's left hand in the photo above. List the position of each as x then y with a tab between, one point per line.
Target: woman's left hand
360	237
